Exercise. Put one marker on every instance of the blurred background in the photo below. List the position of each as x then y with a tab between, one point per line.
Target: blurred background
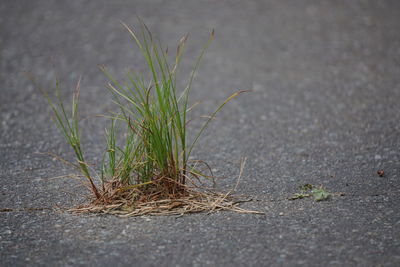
323	75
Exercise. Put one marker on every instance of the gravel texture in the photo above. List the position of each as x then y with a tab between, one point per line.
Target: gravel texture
324	109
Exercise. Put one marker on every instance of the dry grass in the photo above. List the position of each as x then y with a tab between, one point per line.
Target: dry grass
163	196
191	202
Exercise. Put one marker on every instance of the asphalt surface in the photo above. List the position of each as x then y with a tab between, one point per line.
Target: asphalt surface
324	109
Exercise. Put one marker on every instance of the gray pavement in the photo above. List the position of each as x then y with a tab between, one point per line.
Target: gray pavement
324	109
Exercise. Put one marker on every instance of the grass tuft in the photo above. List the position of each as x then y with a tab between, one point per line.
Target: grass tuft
149	171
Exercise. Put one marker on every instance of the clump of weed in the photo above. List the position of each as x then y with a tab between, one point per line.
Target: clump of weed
150	171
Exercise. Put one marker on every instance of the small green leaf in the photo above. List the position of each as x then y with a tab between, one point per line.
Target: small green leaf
320	194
